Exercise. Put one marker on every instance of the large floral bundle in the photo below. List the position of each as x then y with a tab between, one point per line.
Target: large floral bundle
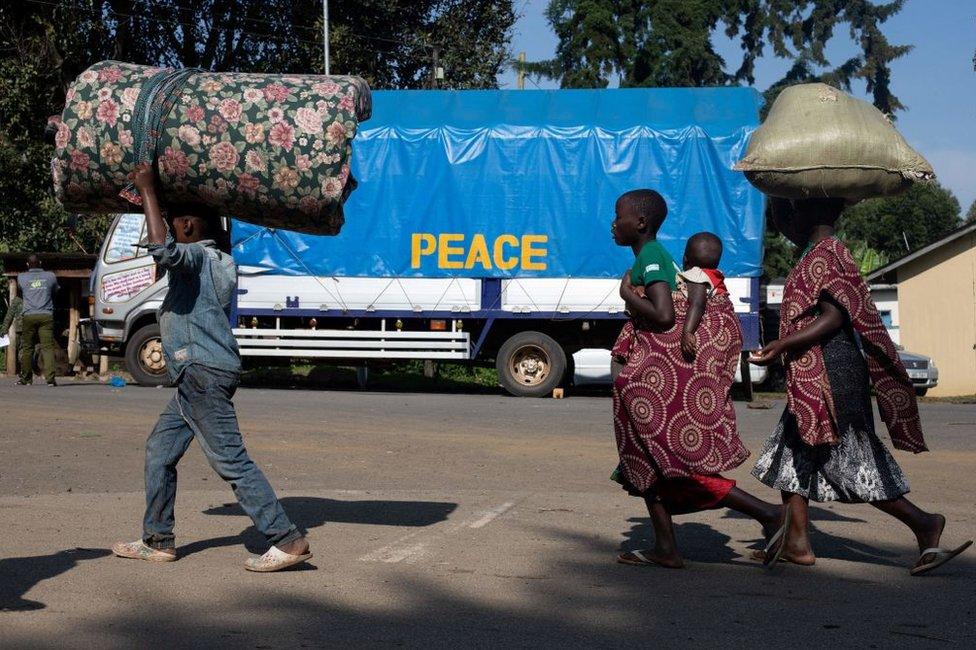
270	149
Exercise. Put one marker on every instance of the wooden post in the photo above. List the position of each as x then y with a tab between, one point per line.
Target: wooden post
12	348
73	317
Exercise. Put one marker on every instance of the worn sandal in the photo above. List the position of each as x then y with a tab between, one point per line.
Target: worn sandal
274	560
640	558
771	554
138	550
941	556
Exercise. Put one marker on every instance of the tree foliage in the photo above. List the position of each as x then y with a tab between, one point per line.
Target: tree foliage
971	213
896	225
779	255
45	44
671	42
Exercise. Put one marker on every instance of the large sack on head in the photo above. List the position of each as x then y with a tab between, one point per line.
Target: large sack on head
820	142
271	149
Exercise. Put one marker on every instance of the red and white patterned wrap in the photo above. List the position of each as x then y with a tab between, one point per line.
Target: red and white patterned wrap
673	416
829	268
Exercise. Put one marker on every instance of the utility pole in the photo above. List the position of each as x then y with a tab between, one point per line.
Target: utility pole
436	71
325	34
520	78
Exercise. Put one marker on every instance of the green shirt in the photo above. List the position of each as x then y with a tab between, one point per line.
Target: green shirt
654	264
14	313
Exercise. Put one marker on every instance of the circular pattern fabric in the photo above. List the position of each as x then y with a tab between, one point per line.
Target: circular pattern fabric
674	416
829	269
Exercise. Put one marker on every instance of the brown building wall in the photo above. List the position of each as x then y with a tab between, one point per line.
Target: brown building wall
937	309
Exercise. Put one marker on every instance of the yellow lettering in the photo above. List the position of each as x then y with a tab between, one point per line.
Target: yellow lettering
478	254
528	252
445	250
421	243
502	262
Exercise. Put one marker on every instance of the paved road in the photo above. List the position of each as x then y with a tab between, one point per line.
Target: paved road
461	520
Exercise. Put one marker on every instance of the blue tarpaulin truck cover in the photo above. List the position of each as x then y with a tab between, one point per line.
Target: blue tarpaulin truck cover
500	183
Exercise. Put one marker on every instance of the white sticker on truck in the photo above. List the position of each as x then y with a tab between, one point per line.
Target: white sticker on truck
119	287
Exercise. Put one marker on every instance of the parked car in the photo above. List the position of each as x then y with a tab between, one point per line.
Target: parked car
592	368
921	370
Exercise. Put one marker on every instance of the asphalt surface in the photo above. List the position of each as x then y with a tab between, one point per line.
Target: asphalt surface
442	520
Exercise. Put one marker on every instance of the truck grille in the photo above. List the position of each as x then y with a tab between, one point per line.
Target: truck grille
916	365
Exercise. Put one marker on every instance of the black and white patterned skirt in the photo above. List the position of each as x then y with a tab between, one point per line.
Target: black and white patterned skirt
857	470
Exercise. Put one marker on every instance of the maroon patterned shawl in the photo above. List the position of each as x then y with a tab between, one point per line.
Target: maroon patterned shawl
829	268
674	417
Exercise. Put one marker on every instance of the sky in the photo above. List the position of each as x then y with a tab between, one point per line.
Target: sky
936	80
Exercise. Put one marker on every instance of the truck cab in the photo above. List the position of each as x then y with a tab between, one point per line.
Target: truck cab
125	295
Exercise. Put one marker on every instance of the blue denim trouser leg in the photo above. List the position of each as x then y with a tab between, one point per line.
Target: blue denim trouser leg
202	408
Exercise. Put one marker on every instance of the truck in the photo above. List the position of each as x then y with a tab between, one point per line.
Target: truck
479	233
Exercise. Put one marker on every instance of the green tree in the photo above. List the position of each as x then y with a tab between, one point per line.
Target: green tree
971	213
671	42
867	258
45	44
779	255
896	225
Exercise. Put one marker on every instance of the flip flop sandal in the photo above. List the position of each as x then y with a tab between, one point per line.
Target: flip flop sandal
771	555
642	560
274	560
138	550
941	557
760	555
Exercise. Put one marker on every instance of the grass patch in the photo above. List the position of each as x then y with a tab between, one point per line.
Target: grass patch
404	376
955	399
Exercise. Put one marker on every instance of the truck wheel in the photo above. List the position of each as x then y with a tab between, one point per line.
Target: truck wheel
530	364
921	391
144	357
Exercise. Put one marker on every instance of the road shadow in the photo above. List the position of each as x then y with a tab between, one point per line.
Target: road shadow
826	545
576	596
313	512
697	542
18	575
702	543
815	514
579	599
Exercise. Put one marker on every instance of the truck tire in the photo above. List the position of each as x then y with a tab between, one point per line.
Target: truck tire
530	364
144	357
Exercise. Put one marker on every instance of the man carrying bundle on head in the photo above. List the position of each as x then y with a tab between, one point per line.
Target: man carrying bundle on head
203	361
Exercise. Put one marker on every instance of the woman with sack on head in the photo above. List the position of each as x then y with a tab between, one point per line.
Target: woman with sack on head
825	447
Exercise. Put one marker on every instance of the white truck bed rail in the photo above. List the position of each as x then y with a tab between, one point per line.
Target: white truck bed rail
353	344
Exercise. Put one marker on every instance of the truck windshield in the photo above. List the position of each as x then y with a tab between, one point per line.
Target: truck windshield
129	231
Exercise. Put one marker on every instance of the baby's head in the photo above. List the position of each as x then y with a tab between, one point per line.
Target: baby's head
703	250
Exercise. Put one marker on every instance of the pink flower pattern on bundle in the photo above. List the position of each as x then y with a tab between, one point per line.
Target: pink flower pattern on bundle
271	148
